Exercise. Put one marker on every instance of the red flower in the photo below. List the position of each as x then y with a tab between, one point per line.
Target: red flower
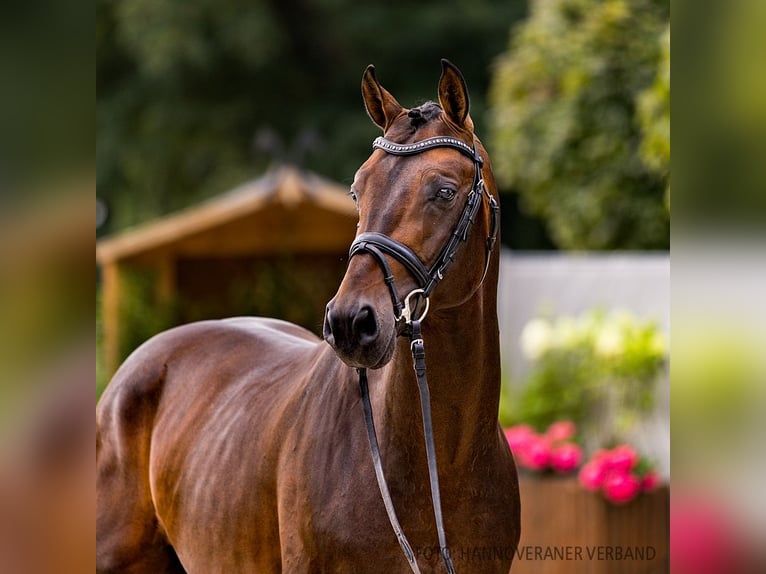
622	458
613	472
518	436
540	452
592	475
561	431
536	453
566	457
620	487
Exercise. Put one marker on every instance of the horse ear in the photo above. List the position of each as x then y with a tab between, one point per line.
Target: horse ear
381	106
453	94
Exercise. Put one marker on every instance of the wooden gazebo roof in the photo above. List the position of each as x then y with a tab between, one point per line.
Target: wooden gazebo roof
286	210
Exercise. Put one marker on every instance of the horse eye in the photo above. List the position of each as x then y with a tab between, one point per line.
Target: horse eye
353	196
446	193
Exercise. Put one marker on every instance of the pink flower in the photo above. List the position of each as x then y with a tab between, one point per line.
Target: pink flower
535	454
621	459
613	472
592	475
600	454
566	457
561	431
650	481
703	537
518	436
620	487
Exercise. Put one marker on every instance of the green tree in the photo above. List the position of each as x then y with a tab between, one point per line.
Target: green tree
654	116
567	133
191	92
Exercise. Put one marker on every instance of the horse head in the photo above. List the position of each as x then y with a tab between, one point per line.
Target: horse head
418	195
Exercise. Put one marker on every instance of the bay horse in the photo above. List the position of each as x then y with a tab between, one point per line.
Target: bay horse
243	445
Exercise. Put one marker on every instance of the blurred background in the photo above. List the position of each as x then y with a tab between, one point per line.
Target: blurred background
197	97
201	103
219	123
229	132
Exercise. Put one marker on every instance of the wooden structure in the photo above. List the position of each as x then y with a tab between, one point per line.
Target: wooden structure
229	256
568	530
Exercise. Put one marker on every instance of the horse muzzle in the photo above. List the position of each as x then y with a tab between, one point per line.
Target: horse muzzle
358	334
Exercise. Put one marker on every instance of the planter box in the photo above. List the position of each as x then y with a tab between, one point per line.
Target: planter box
568	530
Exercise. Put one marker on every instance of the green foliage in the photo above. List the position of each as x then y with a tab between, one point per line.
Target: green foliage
191	91
142	314
567	134
716	389
654	116
597	370
720	184
558	389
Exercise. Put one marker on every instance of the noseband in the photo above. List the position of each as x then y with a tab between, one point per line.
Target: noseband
379	246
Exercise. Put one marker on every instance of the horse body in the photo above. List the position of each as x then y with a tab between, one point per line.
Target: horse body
269	472
239	445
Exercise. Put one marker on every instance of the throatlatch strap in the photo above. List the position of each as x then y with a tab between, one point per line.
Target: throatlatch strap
382	485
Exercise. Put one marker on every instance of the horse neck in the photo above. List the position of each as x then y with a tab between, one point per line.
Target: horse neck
463	370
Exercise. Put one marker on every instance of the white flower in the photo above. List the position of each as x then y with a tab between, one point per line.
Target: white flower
536	338
610	341
567	332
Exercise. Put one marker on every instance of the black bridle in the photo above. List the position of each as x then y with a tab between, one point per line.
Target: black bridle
378	245
409	315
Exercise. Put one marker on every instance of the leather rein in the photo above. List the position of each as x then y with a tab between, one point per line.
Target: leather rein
408	312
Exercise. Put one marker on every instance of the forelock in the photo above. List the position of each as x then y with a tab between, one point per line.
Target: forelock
422	114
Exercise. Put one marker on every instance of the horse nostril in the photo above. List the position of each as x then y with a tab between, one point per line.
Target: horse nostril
365	325
350	329
327	327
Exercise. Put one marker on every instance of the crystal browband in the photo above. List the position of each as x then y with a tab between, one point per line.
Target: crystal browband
417	147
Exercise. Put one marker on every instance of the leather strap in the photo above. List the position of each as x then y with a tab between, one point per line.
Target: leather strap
419	365
379	245
372	437
395	249
388	277
418	147
428	278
